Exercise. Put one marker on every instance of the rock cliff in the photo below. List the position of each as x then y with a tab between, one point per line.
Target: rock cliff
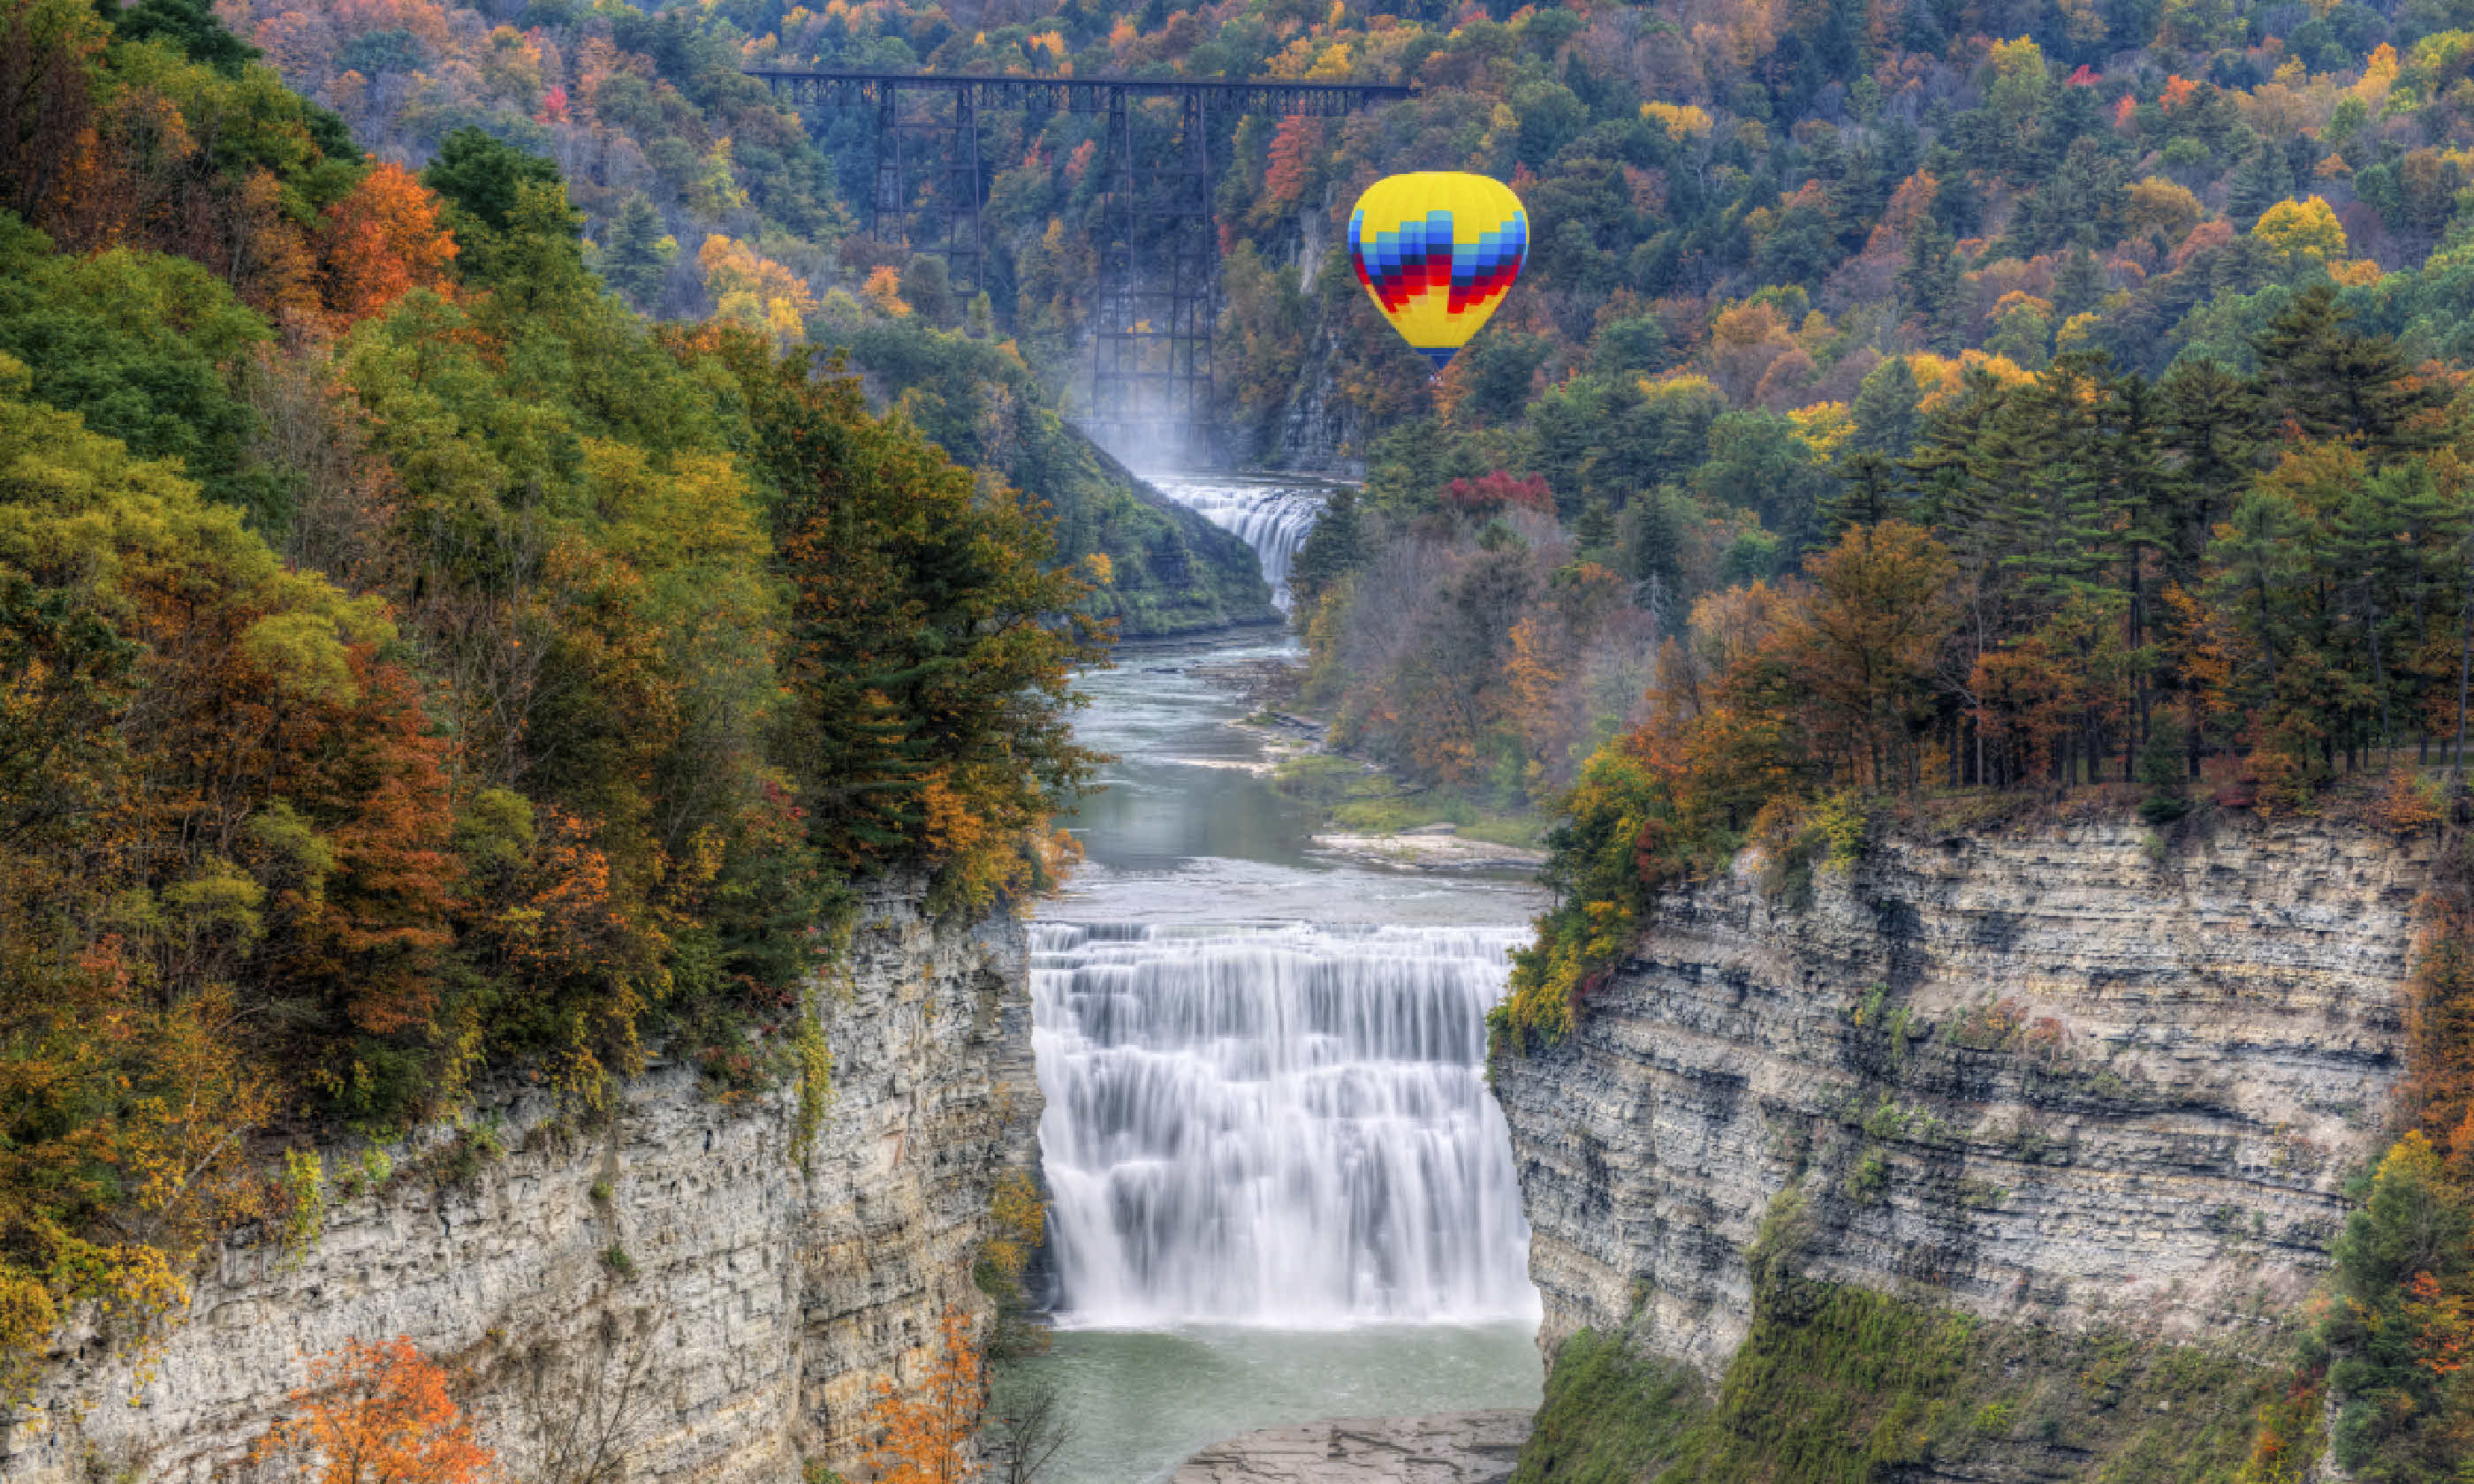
2076	1076
668	1282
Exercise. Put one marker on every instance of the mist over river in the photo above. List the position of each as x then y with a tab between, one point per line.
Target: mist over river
1280	1189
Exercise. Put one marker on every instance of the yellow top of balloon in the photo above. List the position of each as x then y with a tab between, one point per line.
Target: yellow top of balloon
1437	251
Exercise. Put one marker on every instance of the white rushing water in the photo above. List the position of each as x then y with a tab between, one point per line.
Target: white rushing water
1275	1124
1273	518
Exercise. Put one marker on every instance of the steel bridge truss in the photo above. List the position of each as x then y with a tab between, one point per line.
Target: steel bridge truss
1150	362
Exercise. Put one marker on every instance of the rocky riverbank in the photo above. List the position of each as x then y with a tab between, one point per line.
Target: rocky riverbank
1452	1447
1430	847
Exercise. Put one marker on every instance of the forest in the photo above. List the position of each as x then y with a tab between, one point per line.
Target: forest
419	667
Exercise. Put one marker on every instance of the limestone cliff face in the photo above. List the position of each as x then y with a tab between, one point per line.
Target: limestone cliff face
670	1283
2047	1074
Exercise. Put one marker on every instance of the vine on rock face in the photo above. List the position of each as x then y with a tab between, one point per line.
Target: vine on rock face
815	1073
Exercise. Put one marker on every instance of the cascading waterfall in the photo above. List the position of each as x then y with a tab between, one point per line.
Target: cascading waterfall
1274	519
1275	1124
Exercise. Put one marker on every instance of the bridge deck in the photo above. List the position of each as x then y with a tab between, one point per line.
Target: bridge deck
1079	94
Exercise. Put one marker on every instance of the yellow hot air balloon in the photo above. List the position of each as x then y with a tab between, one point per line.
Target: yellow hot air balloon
1438	251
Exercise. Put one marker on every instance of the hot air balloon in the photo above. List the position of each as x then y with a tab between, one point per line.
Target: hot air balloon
1437	249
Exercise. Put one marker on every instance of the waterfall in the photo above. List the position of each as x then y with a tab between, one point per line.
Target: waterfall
1274	519
1275	1124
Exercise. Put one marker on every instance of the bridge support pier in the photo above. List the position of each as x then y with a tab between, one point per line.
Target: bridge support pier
1151	335
944	155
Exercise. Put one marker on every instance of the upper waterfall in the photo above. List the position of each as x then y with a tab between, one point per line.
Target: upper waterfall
1273	518
1280	1124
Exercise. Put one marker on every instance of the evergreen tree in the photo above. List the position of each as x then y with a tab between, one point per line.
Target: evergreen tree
636	254
1331	550
192	27
482	177
1868	495
1649	547
2258	558
1564	424
2212	426
1886	412
1956	482
2052	505
2369	531
1594	531
2331	381
2144	498
1928	284
2080	283
2259	184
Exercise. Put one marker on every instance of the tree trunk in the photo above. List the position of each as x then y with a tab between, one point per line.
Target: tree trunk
2379	670
2465	664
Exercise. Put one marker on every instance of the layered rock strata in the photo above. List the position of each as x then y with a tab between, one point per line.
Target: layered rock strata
2081	1073
668	1282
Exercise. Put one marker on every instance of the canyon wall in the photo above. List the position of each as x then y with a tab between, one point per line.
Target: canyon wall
2069	1075
668	1283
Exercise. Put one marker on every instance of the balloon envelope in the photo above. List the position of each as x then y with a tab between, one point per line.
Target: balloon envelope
1438	251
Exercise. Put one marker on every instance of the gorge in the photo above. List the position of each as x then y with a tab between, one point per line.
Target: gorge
1839	853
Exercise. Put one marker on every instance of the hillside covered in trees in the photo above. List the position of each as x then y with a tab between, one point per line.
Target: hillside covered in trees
415	666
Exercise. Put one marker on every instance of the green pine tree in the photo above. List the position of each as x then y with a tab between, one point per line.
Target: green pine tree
2333	381
1594	531
636	254
2260	182
1868	495
1886	412
2213	427
1332	549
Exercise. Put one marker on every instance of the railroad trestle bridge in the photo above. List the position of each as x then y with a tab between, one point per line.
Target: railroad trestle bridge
1149	357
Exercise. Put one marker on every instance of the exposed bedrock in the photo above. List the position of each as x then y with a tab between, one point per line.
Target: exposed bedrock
670	1274
2066	1074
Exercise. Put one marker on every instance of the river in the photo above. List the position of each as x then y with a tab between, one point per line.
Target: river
1280	1190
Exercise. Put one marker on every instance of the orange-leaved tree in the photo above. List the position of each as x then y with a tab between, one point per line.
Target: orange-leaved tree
924	1437
377	1414
385	239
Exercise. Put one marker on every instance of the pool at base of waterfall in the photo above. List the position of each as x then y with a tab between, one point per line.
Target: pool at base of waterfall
1142	1401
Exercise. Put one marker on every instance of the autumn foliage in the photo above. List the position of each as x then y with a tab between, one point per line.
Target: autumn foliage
377	1414
411	663
925	1435
1490	493
381	242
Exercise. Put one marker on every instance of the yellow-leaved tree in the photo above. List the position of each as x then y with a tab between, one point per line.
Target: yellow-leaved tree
2303	232
753	290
